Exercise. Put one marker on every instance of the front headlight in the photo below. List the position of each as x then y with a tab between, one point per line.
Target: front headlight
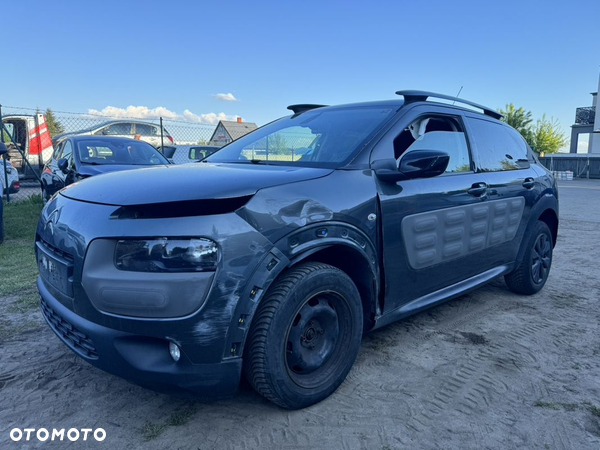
167	255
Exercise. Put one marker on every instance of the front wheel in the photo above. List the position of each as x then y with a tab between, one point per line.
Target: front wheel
305	336
531	275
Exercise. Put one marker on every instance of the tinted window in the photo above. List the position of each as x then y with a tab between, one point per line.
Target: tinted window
199	153
145	130
98	151
117	129
317	138
499	147
436	133
57	150
67	150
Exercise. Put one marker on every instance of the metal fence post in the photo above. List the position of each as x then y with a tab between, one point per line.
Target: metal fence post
588	168
4	157
162	139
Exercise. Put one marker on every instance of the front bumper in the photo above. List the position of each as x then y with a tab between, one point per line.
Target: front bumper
144	360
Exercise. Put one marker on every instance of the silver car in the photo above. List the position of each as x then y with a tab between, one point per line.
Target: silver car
13	177
143	131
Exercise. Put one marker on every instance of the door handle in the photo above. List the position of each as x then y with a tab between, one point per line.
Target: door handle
477	189
529	183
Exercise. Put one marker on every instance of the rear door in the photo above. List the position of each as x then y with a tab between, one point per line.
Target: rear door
434	230
149	134
501	154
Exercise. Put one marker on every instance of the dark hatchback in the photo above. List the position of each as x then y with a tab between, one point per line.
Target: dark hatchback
79	157
273	256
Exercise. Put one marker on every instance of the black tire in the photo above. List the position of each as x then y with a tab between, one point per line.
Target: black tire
305	336
531	274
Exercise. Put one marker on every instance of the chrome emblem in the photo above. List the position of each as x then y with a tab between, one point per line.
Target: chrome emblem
52	220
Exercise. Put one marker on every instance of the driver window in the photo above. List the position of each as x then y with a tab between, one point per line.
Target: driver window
67	151
436	133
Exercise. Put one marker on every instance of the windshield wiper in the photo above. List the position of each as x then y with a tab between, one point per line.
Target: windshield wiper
258	161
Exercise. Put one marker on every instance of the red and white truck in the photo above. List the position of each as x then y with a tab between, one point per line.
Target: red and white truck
29	139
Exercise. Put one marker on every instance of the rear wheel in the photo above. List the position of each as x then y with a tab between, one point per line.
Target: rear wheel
305	336
531	275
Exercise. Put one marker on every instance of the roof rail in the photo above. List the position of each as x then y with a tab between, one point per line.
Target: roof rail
297	109
421	96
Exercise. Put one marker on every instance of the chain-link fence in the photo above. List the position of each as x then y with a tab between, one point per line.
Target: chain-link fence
33	136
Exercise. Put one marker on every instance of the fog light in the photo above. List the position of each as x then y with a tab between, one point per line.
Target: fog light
174	351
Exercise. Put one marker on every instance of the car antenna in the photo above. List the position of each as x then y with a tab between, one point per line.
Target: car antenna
457	95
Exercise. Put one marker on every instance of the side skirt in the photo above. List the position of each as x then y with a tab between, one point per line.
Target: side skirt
441	295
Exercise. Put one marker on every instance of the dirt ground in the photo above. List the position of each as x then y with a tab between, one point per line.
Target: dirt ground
490	370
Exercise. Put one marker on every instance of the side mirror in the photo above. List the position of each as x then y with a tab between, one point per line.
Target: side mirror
424	163
63	165
3	149
414	164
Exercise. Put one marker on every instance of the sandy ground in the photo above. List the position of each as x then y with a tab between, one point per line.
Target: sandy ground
491	370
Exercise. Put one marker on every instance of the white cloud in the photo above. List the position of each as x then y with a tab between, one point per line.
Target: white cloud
145	113
229	97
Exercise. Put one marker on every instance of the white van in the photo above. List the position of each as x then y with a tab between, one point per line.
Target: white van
29	138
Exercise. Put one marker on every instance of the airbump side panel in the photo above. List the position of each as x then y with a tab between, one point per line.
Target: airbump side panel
438	236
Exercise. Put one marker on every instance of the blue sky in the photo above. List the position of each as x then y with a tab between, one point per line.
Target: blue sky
80	55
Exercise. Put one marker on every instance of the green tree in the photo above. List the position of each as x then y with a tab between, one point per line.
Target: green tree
547	136
520	119
277	144
54	125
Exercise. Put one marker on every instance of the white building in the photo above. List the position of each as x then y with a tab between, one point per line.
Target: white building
587	121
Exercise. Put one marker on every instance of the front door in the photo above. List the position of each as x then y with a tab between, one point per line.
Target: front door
435	229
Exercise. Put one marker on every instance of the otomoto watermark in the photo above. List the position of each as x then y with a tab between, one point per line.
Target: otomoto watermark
45	434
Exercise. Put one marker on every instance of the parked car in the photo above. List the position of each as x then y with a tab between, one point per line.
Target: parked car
183	154
13	177
80	157
274	266
30	138
144	131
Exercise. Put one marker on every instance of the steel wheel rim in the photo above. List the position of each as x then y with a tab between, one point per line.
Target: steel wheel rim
314	339
541	258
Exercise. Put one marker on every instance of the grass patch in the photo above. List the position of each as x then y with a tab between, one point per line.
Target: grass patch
151	430
8	330
547	405
26	302
569	406
182	417
18	268
594	410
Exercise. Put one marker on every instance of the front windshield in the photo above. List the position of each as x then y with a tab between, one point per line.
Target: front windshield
103	151
317	138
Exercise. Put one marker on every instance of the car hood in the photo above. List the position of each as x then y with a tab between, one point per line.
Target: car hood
196	181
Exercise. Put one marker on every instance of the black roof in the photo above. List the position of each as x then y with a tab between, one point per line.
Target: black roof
87	137
410	96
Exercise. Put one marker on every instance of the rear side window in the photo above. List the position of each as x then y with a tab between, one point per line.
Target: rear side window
499	147
146	130
118	129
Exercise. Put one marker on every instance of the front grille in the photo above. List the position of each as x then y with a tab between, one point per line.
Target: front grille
57	251
75	338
